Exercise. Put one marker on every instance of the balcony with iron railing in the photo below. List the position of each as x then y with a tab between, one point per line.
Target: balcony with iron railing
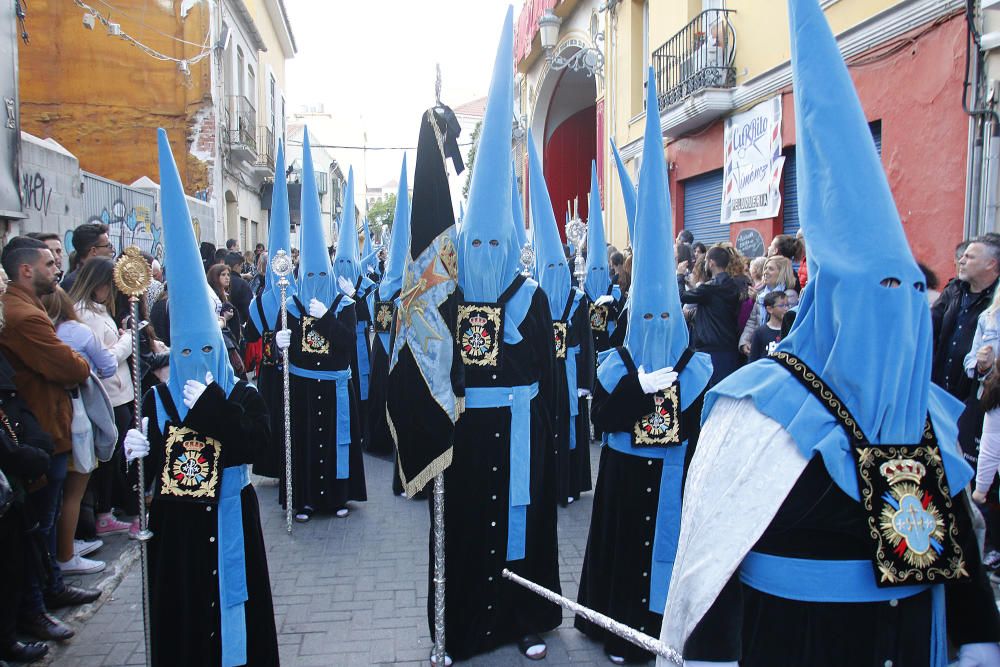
700	56
241	128
265	149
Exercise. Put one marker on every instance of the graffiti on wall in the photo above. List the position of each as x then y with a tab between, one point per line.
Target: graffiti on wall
128	213
131	226
35	193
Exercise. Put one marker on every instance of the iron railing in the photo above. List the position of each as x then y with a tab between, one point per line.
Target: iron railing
241	123
265	147
700	56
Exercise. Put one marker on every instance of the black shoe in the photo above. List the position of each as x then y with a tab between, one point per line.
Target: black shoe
45	626
22	652
71	596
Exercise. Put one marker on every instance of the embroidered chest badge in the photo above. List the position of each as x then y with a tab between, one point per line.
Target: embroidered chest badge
480	333
661	427
191	469
268	352
910	515
598	317
559	330
313	341
384	311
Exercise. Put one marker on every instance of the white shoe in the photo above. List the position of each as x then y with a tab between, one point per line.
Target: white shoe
342	512
86	547
80	565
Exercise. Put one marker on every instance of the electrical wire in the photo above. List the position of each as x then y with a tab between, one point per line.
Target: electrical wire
153	53
151	28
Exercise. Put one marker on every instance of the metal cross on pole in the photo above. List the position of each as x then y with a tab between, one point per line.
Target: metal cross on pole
281	264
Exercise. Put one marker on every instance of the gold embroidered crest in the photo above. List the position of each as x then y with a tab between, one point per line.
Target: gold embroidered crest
384	311
191	469
559	335
480	333
661	427
312	340
599	317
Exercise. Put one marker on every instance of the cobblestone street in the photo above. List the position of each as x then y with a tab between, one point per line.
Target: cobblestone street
346	591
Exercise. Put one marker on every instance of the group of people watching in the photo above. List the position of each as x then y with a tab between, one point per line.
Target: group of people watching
66	403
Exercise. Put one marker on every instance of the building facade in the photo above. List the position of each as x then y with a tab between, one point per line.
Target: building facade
716	60
211	73
559	106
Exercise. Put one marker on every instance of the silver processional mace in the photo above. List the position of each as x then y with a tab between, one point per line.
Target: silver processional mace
282	266
132	276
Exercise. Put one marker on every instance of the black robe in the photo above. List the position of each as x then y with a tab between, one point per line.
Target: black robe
819	521
484	610
270	384
602	339
183	552
362	316
573	475
620	543
378	439
314	416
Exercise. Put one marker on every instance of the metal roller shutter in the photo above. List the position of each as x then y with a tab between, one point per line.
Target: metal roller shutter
791	191
703	208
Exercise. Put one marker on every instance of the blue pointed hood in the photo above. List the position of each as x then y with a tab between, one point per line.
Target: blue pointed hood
278	238
628	193
844	196
196	344
550	258
347	262
486	258
598	275
399	242
316	279
366	246
657	333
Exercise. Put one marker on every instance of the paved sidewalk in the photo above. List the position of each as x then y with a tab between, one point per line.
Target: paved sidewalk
347	591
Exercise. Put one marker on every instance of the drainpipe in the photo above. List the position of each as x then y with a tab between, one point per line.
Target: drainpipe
992	171
974	189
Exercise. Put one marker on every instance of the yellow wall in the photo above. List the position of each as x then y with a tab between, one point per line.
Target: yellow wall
762	44
103	99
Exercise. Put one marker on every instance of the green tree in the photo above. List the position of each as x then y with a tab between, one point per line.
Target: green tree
470	159
380	215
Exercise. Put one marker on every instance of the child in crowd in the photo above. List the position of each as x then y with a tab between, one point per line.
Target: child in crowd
767	336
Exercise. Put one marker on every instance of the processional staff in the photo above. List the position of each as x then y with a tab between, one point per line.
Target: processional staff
281	264
132	276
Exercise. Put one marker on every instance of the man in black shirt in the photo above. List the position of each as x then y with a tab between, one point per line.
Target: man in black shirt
955	312
240	294
714	329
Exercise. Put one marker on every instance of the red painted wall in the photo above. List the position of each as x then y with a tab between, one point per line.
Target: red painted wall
917	94
566	163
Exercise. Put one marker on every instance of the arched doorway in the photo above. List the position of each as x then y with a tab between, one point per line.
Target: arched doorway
566	123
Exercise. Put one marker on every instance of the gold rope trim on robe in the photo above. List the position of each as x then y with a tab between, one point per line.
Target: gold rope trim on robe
433	469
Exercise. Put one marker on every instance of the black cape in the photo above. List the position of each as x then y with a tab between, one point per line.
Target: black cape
314	417
484	610
183	554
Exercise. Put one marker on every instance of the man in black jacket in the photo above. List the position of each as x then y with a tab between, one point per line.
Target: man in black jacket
955	312
714	329
240	293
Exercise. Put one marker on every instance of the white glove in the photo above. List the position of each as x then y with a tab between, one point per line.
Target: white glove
317	309
345	286
136	444
582	393
979	655
283	339
370	268
706	663
194	389
657	380
604	299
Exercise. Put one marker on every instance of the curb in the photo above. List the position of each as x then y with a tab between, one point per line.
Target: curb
83	613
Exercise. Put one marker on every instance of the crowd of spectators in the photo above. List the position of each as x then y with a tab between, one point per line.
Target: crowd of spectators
66	402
